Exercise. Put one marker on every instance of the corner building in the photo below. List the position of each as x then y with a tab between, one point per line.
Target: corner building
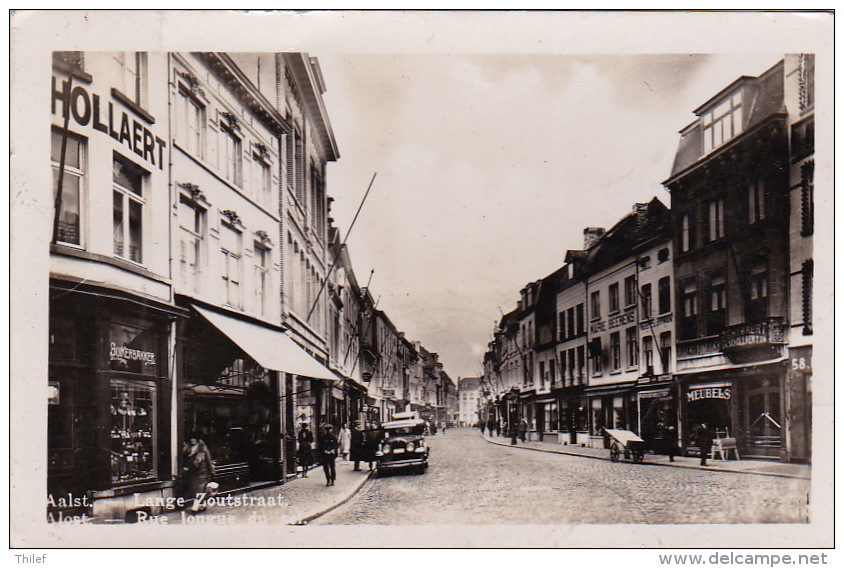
731	186
111	310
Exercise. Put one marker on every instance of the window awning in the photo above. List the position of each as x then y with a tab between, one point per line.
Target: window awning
270	348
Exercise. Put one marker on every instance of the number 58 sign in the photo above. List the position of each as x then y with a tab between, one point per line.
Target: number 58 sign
801	364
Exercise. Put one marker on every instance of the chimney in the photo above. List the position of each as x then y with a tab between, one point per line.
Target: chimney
591	236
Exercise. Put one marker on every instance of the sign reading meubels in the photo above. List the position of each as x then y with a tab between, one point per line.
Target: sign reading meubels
87	108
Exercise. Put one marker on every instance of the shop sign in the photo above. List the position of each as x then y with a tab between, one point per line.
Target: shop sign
366	377
626	318
86	108
714	391
769	332
132	349
655	394
388	393
128	354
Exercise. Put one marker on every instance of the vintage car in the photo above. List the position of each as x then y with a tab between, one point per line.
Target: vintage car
403	446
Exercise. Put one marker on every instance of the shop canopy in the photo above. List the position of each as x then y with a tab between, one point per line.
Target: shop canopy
270	348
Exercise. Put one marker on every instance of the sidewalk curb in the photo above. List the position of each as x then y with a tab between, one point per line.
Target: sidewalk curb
355	489
685	466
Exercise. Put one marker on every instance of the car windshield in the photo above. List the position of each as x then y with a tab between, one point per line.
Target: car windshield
405	431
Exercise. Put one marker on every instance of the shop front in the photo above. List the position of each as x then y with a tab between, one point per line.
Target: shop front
108	404
241	385
657	409
745	404
710	403
611	406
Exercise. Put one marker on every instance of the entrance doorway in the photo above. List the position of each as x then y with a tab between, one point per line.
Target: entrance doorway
762	420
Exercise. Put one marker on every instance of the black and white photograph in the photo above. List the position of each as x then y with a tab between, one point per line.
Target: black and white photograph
422	279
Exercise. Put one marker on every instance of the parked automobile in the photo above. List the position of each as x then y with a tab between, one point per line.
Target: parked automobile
403	446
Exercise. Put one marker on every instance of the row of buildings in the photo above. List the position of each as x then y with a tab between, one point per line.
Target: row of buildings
701	312
198	285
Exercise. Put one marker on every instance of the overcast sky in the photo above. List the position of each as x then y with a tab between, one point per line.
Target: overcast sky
490	166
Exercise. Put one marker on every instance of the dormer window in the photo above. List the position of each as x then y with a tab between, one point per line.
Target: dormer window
722	123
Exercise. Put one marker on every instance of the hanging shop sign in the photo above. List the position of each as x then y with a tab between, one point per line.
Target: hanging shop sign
87	108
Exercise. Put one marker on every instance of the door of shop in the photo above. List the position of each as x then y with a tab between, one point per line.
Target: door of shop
763	420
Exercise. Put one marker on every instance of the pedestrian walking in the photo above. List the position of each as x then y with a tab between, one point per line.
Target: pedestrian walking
345	439
481	425
199	472
523	428
704	437
327	449
490	426
371	440
305	452
356	448
514	432
671	441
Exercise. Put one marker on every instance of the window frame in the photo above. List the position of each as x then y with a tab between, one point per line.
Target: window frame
756	202
197	236
614	305
632	340
80	173
595	303
713	122
630	288
128	198
228	257
139	74
262	275
189	102
615	351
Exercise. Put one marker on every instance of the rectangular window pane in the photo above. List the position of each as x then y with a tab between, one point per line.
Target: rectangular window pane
72	157
118	223
135	230
128	177
69	217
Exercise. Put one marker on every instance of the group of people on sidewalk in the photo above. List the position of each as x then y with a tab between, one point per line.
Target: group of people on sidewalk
515	432
350	444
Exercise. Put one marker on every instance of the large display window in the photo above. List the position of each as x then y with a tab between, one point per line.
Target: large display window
709	403
133	432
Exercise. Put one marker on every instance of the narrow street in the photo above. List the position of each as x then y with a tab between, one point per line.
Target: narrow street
472	482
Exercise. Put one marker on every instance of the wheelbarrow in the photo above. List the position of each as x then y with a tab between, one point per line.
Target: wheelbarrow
626	443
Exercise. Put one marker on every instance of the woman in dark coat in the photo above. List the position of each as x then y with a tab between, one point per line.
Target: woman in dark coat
327	448
199	470
305	452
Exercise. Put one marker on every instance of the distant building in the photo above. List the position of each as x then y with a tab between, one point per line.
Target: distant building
469	396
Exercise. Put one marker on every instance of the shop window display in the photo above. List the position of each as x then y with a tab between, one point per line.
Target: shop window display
132	431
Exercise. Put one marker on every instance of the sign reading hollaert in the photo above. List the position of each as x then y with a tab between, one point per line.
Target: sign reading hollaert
86	109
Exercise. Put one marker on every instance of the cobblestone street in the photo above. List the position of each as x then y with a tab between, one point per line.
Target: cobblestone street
471	481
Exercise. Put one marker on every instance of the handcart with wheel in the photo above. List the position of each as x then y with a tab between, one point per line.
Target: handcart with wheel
627	443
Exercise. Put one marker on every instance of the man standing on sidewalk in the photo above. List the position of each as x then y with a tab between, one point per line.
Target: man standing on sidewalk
704	442
327	449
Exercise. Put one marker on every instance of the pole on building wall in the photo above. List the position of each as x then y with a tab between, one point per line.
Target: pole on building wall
62	154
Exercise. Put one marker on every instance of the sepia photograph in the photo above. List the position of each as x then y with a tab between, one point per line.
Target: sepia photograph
422	279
